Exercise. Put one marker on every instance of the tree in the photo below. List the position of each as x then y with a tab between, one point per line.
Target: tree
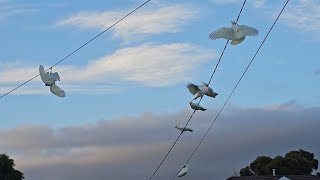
7	171
246	171
293	163
259	165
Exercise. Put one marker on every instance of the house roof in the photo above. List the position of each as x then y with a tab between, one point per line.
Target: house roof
291	177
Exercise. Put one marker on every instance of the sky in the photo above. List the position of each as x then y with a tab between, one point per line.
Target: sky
126	90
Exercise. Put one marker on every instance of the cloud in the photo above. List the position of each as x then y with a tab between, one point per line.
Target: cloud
303	15
145	65
131	147
255	3
151	21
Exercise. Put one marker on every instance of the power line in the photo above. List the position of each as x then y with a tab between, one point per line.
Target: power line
165	157
63	59
237	84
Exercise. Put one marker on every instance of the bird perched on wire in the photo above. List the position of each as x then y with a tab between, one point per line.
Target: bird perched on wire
183	171
235	33
49	79
200	90
197	106
183	129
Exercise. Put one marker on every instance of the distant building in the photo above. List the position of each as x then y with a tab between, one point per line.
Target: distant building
278	177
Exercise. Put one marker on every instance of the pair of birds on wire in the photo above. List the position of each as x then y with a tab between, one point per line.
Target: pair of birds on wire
236	34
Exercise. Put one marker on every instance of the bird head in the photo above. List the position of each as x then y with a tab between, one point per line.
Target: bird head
185	166
233	23
205	84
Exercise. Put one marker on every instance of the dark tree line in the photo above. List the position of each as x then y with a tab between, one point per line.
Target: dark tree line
293	163
7	171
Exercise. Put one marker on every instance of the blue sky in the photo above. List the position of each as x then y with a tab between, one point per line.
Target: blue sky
143	64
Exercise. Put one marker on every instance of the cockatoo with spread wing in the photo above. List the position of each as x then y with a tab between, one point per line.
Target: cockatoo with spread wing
183	171
235	33
49	79
195	106
200	90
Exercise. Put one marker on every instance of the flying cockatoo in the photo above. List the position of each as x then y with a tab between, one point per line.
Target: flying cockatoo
199	91
183	129
49	79
195	106
235	33
183	171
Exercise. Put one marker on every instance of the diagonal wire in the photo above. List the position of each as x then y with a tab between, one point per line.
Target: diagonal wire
165	157
76	50
215	119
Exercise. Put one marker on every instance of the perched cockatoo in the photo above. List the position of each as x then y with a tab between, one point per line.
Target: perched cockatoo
183	171
235	33
199	91
183	129
195	106
50	79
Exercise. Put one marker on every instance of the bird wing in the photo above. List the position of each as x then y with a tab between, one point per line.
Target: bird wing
247	31
226	33
193	88
43	74
57	91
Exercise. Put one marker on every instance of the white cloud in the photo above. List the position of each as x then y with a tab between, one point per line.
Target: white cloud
254	3
141	23
303	15
147	65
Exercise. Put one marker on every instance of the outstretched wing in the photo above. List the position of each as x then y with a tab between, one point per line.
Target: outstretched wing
226	33
193	88
247	31
43	74
57	91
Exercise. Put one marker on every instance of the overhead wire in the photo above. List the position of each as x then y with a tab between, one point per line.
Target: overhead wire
174	143
76	50
237	84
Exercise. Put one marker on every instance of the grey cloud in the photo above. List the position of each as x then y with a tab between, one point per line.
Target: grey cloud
132	147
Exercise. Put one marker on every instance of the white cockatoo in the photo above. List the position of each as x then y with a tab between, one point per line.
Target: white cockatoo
195	106
183	171
49	79
183	129
235	33
199	91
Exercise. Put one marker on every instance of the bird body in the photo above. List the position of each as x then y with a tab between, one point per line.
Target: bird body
199	91
197	106
183	171
235	33
48	78
183	129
